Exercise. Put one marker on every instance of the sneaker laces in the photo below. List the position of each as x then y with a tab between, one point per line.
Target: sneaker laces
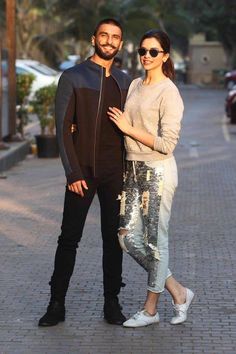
178	309
136	315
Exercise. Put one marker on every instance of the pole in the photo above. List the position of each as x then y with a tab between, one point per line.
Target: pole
3	146
0	94
11	46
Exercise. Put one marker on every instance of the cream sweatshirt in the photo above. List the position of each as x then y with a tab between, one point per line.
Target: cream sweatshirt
158	110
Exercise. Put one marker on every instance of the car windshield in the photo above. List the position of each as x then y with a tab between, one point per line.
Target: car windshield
43	69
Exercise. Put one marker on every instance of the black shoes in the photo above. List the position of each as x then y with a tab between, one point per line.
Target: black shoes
55	314
112	312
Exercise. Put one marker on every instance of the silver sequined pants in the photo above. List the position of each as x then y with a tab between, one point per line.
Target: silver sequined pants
144	216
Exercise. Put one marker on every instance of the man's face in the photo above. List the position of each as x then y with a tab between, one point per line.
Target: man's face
108	41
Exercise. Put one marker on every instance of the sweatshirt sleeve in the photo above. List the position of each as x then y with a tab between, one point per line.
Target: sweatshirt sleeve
171	113
65	112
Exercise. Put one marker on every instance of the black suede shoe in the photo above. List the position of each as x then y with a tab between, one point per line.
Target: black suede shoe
55	314
112	312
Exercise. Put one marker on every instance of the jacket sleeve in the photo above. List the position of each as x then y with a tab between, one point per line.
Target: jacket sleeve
65	112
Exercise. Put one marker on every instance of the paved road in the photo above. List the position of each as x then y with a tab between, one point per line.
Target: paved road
202	253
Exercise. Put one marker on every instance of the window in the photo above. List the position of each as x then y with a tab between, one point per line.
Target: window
43	69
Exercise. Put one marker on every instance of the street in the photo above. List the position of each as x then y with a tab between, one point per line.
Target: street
202	252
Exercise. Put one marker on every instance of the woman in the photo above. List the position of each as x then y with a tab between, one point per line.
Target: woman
151	125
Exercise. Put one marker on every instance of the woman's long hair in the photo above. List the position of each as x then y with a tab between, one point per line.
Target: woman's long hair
163	39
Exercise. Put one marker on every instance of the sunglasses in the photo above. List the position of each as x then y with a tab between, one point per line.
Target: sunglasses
153	52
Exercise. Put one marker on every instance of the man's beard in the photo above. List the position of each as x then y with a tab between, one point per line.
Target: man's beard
103	55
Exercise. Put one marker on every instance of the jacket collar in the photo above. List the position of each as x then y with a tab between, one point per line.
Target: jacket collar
114	71
122	79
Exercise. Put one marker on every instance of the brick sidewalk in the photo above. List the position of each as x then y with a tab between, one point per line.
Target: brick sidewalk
202	254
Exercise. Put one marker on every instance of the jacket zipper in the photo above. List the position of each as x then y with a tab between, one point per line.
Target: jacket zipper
96	124
123	155
119	90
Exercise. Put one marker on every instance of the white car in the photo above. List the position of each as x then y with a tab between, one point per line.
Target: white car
69	62
44	75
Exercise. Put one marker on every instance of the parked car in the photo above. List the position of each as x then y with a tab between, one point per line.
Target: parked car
230	79
230	105
180	71
69	62
44	75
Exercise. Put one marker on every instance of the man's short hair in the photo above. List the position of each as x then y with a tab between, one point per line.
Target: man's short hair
108	21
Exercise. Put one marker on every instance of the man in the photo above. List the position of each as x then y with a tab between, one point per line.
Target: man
92	156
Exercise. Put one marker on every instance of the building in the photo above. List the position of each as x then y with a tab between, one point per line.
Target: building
207	61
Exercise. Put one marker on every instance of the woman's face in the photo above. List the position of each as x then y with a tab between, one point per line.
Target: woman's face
147	60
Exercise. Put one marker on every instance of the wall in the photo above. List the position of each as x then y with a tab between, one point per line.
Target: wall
204	58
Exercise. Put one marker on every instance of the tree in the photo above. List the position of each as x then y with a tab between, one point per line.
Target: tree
2	18
58	27
37	27
138	17
39	23
218	20
79	18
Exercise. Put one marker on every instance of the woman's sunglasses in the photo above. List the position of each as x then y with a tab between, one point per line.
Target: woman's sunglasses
153	52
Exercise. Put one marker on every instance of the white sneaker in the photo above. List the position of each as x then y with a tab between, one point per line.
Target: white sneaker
181	310
141	318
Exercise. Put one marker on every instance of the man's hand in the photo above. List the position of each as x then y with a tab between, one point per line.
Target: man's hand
77	187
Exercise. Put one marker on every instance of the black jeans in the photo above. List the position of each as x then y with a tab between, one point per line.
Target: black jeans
108	186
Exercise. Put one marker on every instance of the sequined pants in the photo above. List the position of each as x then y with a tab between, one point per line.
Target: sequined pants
144	216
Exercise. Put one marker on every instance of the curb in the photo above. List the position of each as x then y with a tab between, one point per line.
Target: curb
16	153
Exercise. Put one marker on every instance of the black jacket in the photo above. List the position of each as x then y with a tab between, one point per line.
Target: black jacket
79	101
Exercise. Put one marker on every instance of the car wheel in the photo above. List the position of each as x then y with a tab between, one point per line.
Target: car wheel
230	84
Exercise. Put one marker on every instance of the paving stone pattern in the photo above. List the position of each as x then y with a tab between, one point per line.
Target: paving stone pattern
202	253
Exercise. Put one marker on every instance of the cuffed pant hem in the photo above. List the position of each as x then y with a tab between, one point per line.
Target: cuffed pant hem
155	290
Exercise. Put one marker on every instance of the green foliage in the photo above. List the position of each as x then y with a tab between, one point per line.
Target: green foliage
55	26
80	17
37	25
43	105
23	86
217	19
2	13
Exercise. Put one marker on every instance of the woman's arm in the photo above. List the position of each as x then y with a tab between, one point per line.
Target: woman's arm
122	123
171	112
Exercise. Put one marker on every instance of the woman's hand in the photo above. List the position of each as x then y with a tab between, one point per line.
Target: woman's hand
118	117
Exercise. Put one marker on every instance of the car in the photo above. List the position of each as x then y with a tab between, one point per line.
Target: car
230	105
180	71
44	75
230	79
69	62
